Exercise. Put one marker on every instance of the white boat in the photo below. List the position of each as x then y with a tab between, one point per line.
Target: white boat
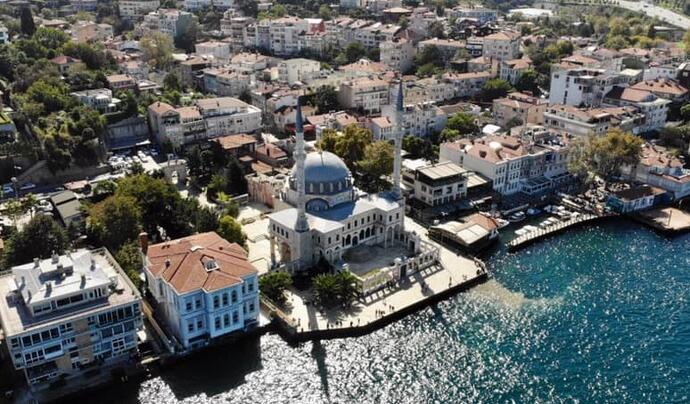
521	232
501	223
530	228
516	217
533	211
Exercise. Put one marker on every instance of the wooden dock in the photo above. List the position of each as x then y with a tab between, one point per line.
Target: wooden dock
555	228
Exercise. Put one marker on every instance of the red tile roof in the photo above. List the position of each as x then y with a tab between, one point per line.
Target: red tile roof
183	263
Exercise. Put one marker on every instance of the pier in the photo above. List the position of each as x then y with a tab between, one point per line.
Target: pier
666	220
555	228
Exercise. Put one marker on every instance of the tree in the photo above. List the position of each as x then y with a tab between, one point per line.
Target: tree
325	12
28	27
495	88
157	49
274	284
616	42
419	148
115	221
463	123
605	155
429	55
437	30
528	82
376	163
130	260
40	238
354	51
172	82
237	183
50	38
231	230
186	39
326	99
351	144
335	289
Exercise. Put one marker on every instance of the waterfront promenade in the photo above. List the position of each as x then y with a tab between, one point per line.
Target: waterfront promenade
302	320
667	220
555	228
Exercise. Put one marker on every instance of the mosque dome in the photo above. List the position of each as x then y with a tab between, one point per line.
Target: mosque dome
325	174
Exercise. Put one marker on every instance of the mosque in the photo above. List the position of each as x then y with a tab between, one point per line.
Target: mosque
328	214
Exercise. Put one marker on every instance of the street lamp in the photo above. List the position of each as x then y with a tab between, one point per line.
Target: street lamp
15	185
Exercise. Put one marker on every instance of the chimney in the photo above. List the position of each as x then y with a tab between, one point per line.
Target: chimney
144	242
54	258
36	262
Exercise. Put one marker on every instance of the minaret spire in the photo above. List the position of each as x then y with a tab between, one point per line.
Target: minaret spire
399	132
300	155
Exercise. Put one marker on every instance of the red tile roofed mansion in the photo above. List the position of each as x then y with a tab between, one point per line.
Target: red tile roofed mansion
204	287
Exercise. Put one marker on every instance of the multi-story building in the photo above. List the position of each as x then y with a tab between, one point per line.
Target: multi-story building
234	27
592	121
100	99
194	5
664	88
512	70
171	22
217	49
448	47
177	126
440	183
504	45
121	82
67	314
84	5
513	164
659	168
294	70
226	82
228	116
134	9
204	287
467	84
582	86
422	119
654	108
398	54
519	109
367	94
482	15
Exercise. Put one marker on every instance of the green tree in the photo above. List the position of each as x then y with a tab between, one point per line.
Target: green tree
376	163
130	260
354	51
528	82
352	143
326	99
495	88
40	238
419	148
325	12
335	289
231	230
604	155
50	38
114	221
157	49
274	284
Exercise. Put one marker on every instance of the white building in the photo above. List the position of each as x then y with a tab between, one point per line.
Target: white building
592	121
228	116
659	168
68	314
168	21
482	15
503	45
221	51
204	287
518	108
654	108
368	94
422	119
512	70
194	5
398	54
467	84
440	183
582	86
514	165
293	70
100	99
133	9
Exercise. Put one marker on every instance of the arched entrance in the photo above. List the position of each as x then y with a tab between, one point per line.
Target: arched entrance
354	241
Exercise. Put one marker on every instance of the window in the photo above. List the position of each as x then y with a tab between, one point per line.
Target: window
188	305
197	302
226	320
199	324
234	296
251	307
216	302
225	299
190	327
14	342
217	323
250	286
235	317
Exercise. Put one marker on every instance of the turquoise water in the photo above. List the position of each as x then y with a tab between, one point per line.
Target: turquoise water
597	315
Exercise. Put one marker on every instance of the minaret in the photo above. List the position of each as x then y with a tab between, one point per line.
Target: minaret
399	133
300	155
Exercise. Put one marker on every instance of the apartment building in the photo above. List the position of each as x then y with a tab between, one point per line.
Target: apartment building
422	119
168	21
439	184
467	84
511	70
503	45
293	70
226	82
654	108
204	286
658	167
219	50
367	94
482	15
234	28
100	99
664	88
228	116
398	54
69	314
448	47
135	9
86	31
513	164
582	86
592	121
519	108
195	5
